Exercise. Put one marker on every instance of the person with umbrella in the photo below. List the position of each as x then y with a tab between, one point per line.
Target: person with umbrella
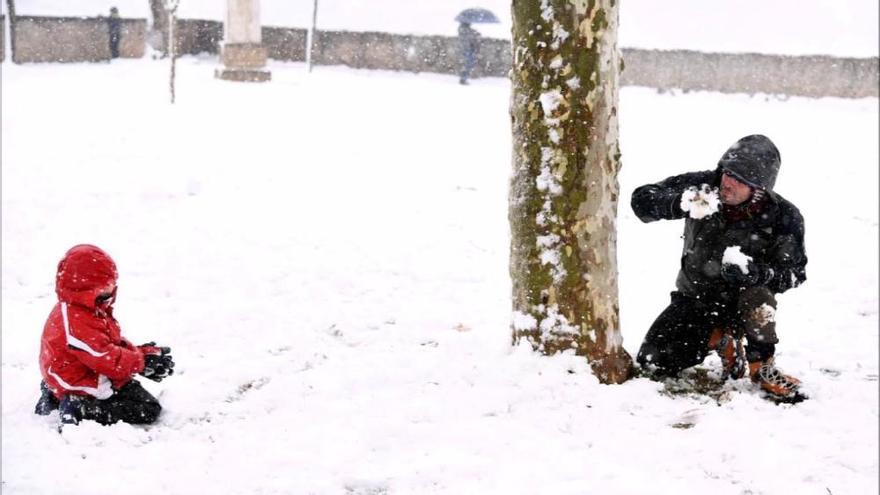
469	38
114	24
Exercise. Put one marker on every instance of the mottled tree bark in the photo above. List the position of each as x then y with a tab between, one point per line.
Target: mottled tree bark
564	190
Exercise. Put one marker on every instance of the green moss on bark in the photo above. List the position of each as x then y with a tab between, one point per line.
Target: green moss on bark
581	120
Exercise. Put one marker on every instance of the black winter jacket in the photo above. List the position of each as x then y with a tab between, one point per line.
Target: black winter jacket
469	38
773	237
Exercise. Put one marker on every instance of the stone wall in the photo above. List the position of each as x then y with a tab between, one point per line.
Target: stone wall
439	54
194	36
814	76
197	36
133	41
74	39
287	44
67	39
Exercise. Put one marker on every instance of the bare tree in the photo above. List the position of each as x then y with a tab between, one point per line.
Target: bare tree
564	189
310	35
171	10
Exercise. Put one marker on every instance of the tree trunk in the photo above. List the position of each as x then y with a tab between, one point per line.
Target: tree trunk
10	6
160	23
172	49
564	190
310	35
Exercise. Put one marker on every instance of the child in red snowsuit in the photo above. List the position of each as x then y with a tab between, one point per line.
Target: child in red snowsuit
87	365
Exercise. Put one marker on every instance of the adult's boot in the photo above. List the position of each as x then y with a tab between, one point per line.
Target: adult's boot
780	386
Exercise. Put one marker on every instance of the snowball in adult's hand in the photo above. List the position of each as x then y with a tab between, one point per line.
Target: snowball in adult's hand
700	203
733	255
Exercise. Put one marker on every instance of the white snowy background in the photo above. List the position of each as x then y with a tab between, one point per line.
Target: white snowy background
327	256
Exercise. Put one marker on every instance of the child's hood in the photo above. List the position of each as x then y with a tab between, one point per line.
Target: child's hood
84	273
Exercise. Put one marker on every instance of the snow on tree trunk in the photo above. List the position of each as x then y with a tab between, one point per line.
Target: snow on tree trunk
564	189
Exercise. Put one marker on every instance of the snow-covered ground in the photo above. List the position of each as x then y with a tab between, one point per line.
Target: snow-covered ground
847	28
327	255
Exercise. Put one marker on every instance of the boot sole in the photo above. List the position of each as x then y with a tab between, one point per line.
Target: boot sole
794	398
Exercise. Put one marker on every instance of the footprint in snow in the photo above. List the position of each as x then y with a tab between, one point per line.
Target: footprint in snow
687	420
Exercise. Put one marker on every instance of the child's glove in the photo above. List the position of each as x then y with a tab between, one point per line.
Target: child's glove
157	367
151	348
158	363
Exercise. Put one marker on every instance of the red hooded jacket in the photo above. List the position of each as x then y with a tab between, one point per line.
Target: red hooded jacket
82	350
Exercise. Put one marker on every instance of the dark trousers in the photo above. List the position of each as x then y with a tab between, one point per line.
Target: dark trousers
115	28
114	47
470	61
679	337
130	404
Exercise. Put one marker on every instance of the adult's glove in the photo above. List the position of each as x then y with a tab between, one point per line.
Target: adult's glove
755	274
700	202
158	363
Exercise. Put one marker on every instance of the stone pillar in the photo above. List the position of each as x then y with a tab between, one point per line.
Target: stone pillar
243	54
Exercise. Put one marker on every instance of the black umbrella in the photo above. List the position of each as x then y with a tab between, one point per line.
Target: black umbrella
476	16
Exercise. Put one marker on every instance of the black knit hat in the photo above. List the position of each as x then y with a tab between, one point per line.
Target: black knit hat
753	160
